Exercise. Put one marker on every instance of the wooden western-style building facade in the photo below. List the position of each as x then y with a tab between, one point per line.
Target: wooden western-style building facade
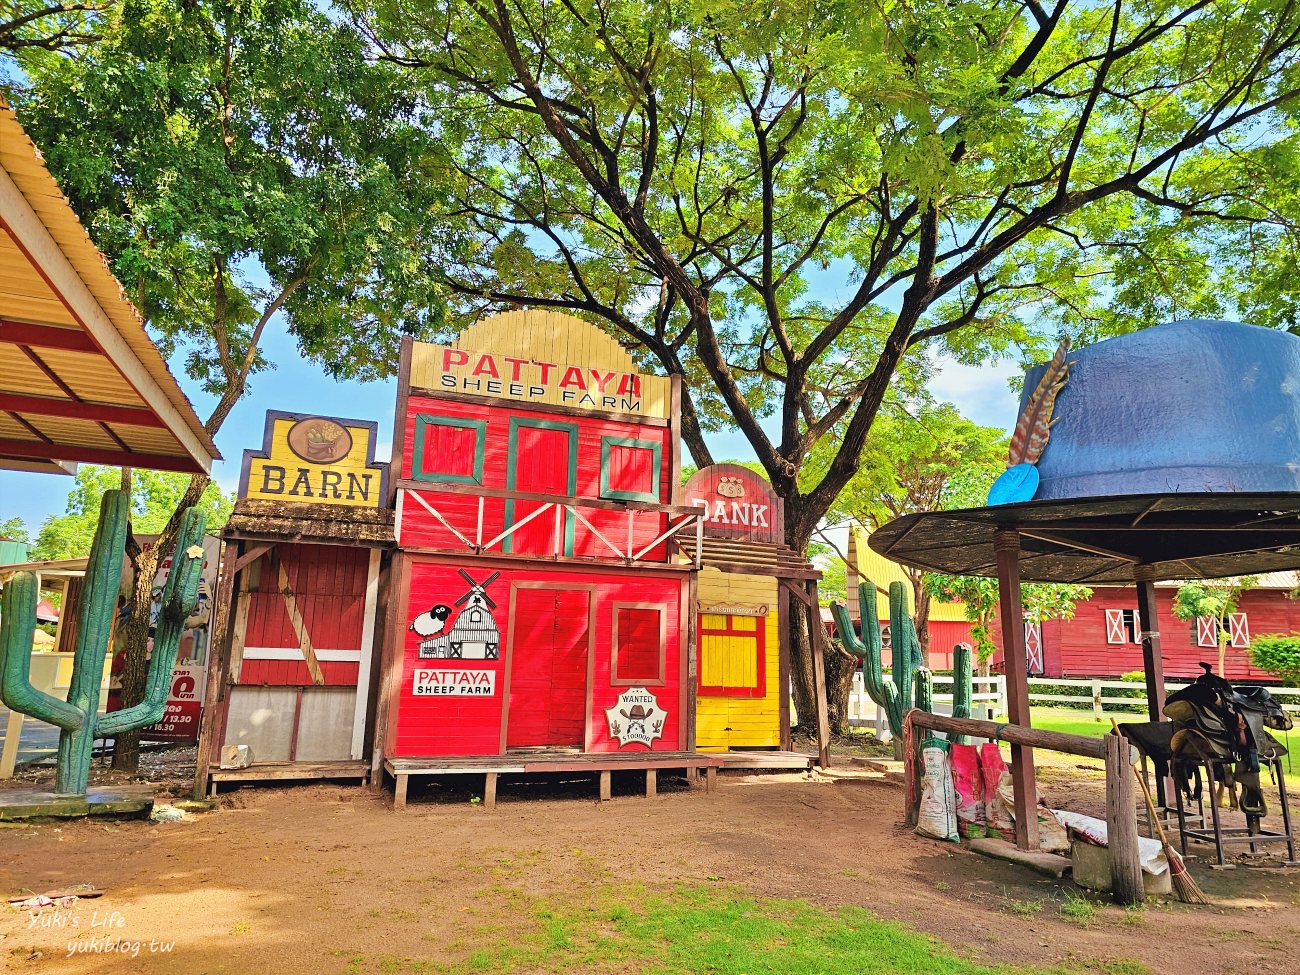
296	623
541	614
749	584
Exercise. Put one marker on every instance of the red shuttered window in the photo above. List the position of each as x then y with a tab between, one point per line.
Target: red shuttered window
629	468
448	449
640	642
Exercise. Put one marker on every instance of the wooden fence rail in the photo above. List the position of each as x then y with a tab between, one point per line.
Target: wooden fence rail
990	692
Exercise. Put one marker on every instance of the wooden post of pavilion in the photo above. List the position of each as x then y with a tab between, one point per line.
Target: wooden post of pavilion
1153	664
1006	545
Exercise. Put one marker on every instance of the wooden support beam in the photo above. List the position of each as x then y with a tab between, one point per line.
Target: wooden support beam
209	744
490	790
48	337
1006	544
711	779
254	553
76	410
299	627
1127	885
651	783
817	635
605	790
13	737
1085	746
1153	663
399	791
96	455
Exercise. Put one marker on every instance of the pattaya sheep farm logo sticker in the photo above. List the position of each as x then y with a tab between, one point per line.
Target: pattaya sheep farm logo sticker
636	718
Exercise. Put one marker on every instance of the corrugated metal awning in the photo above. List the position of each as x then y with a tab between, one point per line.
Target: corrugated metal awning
80	379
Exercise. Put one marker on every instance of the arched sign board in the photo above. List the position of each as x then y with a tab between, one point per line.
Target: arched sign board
309	459
737	503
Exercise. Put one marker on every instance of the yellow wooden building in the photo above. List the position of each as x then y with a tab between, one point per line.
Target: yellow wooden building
749	583
738	697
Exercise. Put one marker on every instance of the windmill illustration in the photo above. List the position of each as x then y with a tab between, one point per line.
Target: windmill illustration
475	636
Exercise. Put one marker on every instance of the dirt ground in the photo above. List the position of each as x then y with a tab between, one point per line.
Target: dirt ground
316	879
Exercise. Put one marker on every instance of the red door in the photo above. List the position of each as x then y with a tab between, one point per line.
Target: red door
542	460
548	669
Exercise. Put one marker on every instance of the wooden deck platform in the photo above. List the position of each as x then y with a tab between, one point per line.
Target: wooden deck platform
601	764
118	800
290	772
789	761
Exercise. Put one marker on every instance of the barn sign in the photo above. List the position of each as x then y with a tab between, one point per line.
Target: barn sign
737	503
309	459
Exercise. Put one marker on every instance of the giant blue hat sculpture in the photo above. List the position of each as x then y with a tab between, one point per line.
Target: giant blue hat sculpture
1175	448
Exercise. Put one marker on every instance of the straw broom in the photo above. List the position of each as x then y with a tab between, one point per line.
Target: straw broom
1185	888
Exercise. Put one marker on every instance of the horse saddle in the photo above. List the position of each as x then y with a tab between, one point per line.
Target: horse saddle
1218	721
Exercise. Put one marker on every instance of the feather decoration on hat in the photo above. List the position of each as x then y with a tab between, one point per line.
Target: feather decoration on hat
1035	424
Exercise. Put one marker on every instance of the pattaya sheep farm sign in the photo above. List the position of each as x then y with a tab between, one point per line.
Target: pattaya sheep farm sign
533	379
736	503
542	360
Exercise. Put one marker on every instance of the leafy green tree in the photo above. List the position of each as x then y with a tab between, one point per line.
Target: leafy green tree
1216	599
920	460
1040	601
15	530
1277	654
246	166
52	25
789	203
154	495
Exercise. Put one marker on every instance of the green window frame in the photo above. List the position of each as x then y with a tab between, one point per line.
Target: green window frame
422	423
517	422
606	446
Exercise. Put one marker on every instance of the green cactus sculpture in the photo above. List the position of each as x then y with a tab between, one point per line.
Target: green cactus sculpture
912	685
963	686
924	684
78	718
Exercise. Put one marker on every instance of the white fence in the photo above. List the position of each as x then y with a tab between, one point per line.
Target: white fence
1093	693
991	694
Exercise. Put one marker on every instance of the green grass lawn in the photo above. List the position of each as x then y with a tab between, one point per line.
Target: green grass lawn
1074	722
689	929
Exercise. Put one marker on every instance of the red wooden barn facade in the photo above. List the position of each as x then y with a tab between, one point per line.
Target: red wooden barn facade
1103	639
543	587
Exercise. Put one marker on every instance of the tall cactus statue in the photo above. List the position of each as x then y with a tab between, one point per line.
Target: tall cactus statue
963	686
78	718
911	685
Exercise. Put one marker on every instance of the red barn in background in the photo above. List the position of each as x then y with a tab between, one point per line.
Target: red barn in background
1103	638
541	617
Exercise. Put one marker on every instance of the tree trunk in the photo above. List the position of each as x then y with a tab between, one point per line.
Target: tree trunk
135	671
801	669
135	628
921	618
840	668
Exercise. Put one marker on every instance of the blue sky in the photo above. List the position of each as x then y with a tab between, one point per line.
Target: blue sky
981	393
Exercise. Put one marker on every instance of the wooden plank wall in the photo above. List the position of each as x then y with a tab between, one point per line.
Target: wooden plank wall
329	586
725	722
460	507
1078	647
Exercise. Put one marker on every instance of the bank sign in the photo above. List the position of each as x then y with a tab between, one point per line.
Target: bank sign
736	503
315	460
